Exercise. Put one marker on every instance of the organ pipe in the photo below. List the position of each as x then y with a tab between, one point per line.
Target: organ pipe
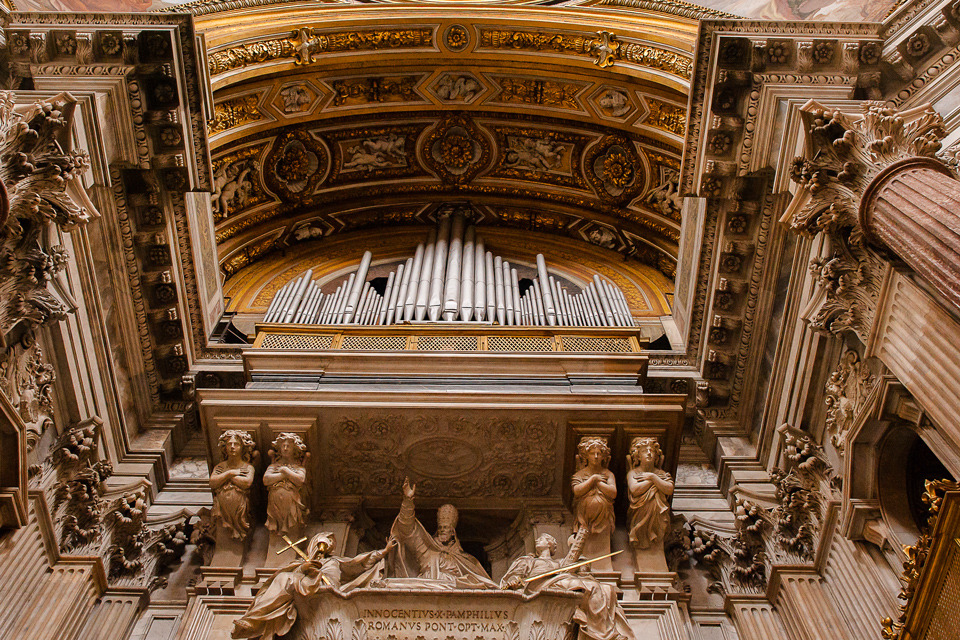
480	281
467	281
451	277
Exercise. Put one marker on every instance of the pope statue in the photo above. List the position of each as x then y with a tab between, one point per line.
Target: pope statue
432	562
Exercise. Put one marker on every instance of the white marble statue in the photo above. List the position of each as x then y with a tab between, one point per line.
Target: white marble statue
594	490
599	615
231	481
438	561
649	488
284	480
273	612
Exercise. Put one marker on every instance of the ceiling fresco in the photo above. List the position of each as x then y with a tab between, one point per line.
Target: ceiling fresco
570	131
846	10
835	10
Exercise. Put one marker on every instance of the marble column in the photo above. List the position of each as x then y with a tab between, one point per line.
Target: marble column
912	208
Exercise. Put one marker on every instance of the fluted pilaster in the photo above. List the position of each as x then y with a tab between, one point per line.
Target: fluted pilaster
806	606
60	605
114	615
850	575
755	617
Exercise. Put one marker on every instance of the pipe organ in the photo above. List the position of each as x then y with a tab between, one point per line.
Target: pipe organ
451	278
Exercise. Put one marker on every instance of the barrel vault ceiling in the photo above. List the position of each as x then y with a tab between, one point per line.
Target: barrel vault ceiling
567	122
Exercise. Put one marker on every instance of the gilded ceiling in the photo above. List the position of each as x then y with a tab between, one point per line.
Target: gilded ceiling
541	119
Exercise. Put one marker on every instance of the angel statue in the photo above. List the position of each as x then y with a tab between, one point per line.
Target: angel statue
284	480
649	488
273	612
594	489
598	614
231	481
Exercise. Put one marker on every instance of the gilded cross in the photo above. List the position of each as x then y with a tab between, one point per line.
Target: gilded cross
293	545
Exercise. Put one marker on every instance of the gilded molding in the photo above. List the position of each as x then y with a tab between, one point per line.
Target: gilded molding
235	112
667	117
917	556
674	7
605	48
307	42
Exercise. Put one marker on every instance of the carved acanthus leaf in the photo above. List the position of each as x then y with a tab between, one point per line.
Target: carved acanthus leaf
36	166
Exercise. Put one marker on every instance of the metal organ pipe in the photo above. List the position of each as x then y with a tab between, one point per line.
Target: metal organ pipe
467	280
284	295
507	292
273	305
548	307
388	295
489	271
498	277
300	296
480	280
400	282
454	271
435	304
515	286
604	303
423	285
451	277
410	300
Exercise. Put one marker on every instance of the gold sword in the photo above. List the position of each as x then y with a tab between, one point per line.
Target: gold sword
571	566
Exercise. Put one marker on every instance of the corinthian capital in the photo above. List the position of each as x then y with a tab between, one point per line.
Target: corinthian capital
846	153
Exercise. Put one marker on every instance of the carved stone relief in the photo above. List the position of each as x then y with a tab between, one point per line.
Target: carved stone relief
847	391
518	458
457	149
297	98
615	170
295	165
457	88
613	103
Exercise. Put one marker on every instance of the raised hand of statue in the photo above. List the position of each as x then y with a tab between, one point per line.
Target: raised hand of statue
409	490
391	544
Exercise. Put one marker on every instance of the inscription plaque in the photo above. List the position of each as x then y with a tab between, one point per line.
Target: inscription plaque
422	614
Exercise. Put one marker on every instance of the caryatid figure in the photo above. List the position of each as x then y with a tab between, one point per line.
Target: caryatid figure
594	490
231	481
284	480
650	489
